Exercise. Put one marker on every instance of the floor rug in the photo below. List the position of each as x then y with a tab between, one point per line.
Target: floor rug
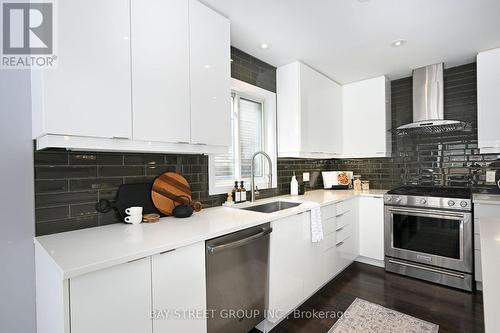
364	316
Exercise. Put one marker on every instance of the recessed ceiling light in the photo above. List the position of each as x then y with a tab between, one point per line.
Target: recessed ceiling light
265	46
398	42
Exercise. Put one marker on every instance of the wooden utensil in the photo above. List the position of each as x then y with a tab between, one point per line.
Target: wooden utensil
151	218
170	190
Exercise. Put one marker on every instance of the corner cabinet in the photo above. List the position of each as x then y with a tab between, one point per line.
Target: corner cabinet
309	113
159	82
151	294
318	118
367	118
488	101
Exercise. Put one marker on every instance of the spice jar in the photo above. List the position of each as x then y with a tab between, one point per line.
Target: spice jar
365	185
357	183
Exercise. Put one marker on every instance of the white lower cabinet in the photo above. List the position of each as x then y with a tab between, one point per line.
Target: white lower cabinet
179	291
314	269
299	267
286	266
162	293
112	300
481	211
371	227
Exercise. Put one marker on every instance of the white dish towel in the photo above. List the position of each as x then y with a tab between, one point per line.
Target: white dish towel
316	225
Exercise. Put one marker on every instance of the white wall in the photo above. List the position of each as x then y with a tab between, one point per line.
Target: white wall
17	272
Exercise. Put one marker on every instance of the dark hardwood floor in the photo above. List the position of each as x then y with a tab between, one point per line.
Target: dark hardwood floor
453	310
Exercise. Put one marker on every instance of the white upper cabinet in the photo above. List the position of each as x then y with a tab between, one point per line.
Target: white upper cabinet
210	75
367	118
488	101
160	70
88	94
309	113
156	78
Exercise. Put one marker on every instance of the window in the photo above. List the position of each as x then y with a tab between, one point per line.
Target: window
253	126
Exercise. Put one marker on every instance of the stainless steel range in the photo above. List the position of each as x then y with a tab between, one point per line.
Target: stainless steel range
429	235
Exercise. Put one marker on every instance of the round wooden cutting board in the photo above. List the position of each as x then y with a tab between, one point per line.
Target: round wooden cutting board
165	188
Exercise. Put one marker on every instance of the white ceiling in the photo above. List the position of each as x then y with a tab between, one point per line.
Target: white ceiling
349	40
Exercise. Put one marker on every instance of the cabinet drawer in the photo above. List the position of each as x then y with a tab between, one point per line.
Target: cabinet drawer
328	212
329	242
345	206
484	210
329	226
345	246
477	266
343	233
477	242
344	219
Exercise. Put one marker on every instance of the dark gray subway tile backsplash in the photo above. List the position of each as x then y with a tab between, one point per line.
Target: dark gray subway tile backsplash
450	159
68	184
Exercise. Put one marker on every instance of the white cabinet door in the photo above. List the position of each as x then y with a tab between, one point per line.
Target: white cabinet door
88	94
321	112
112	300
210	76
367	114
371	227
160	70
309	113
286	266
488	101
178	279
314	269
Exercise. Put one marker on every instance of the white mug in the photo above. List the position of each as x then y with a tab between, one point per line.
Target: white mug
134	211
134	219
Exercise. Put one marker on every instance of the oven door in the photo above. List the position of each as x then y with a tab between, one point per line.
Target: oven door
433	237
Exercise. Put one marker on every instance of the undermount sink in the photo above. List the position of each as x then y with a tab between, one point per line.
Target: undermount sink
272	207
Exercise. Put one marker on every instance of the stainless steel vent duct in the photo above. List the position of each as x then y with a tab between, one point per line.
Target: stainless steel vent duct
428	104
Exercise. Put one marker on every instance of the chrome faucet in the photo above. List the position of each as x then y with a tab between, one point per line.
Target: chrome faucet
253	188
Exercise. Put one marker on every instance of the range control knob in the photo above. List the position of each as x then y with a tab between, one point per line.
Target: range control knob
388	199
451	203
463	203
423	201
397	199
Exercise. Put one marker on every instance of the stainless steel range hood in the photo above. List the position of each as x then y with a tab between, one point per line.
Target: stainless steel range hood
428	104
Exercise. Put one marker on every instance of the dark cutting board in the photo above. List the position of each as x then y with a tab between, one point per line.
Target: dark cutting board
138	194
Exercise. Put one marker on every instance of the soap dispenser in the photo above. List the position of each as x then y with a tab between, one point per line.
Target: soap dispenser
294	186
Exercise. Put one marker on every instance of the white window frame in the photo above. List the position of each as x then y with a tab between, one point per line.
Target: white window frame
269	143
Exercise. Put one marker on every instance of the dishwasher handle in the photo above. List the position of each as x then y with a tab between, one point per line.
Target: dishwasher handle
240	242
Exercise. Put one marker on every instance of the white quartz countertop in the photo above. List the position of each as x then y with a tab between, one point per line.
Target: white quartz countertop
491	199
490	252
83	251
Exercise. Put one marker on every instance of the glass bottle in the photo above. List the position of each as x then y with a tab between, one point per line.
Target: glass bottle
243	192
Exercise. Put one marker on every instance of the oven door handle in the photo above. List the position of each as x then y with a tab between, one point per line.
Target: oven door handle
397	262
426	212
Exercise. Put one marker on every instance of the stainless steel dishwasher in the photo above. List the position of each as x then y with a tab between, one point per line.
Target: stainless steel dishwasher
237	267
